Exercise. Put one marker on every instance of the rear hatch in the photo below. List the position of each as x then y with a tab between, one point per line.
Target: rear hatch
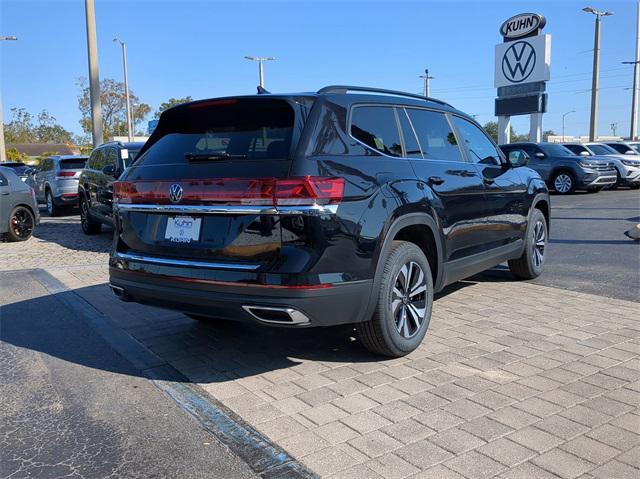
202	187
69	172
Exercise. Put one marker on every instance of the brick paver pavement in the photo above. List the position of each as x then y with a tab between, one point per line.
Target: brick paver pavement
513	380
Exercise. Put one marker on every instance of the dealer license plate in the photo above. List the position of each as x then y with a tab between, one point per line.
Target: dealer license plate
183	229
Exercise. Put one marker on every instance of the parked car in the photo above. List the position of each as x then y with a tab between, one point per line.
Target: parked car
627	166
55	182
635	145
563	170
18	207
95	183
622	147
349	205
19	168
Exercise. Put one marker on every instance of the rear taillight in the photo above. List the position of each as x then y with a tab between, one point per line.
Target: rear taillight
65	173
307	190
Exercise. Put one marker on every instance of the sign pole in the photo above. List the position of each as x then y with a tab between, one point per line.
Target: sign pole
535	128
504	130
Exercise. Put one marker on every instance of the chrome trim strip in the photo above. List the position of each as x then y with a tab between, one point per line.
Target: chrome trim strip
306	210
187	263
297	318
603	180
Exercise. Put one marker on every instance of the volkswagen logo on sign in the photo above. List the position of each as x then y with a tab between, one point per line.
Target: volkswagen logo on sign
518	62
175	193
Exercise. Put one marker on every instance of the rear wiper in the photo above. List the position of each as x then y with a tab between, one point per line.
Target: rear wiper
211	156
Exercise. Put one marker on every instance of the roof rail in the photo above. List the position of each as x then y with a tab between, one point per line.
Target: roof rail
346	88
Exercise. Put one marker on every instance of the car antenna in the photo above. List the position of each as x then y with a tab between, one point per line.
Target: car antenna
262	91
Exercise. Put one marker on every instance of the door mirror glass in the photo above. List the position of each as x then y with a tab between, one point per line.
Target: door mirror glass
540	155
109	170
518	158
584	153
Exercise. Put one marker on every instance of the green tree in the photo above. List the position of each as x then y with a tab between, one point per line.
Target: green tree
15	155
114	108
171	102
24	128
547	133
491	127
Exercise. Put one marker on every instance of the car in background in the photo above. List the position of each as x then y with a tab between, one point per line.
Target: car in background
95	183
627	166
563	170
18	207
635	145
622	147
19	168
55	182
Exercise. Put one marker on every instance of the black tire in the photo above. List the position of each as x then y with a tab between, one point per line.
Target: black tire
52	208
89	225
396	328
531	264
635	186
564	182
21	224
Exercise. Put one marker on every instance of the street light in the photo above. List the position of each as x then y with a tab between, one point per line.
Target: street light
126	86
260	61
3	153
596	71
563	115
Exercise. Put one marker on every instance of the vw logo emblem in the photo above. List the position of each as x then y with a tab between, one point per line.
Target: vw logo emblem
518	62
175	193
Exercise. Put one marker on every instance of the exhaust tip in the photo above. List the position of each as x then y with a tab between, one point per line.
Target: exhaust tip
119	292
275	315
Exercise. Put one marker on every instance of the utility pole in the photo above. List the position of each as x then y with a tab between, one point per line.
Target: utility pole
3	151
633	134
593	126
126	87
426	82
260	61
614	127
563	115
94	77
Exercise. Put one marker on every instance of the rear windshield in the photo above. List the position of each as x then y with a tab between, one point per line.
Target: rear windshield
235	129
73	164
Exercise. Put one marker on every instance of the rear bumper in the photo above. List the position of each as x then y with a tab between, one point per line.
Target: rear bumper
341	303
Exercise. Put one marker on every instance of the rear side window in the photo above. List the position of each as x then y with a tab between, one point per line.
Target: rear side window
96	160
376	127
234	129
411	145
72	164
436	137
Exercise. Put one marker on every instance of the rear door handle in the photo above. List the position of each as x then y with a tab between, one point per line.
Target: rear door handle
435	180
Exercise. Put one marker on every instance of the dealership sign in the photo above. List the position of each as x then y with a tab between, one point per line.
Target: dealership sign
522	25
523	61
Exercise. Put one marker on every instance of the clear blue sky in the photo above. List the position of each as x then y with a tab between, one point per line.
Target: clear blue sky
178	48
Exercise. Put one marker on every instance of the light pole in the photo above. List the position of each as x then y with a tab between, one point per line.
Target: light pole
426	81
593	126
3	153
563	115
126	86
633	135
614	127
94	76
260	61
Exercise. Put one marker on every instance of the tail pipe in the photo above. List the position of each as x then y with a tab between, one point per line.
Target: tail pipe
275	315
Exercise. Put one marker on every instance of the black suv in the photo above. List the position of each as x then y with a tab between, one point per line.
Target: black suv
95	184
565	171
346	206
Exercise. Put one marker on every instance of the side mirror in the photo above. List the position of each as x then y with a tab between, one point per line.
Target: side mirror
540	155
584	153
631	152
518	158
109	170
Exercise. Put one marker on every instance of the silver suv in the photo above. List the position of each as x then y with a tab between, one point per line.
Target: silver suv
56	182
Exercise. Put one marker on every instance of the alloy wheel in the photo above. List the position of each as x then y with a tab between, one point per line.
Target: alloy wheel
409	299
563	183
49	204
22	223
539	243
